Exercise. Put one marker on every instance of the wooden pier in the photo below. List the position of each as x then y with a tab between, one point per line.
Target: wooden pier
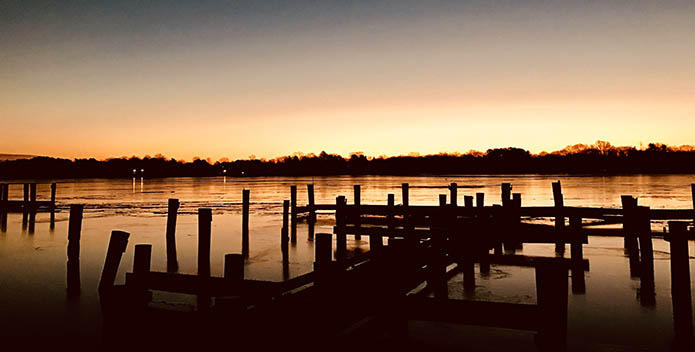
350	299
30	203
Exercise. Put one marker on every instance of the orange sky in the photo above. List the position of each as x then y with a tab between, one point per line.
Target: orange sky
210	79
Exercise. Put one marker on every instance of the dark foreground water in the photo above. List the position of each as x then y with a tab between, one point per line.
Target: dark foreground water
35	309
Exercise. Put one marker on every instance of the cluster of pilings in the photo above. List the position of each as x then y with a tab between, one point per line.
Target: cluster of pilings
28	206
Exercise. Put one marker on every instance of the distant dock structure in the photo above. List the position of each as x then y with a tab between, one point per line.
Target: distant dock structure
29	203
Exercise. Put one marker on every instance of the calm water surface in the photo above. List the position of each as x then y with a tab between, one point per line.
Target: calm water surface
34	307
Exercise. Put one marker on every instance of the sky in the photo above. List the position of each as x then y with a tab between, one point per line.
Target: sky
269	78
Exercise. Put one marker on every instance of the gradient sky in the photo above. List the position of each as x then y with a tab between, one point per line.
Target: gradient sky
268	78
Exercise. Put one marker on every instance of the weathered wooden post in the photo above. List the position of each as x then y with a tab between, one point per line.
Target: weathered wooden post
234	267
559	218
284	232
468	201
53	194
323	256
498	223
142	259
204	234
172	212
340	235
74	235
405	194
644	234
480	199
453	189
506	193
436	263
3	206
293	223
117	245
245	205
26	194
25	207
204	231
32	207
551	292
390	218
32	194
630	239
312	210
357	201
680	284
442	200
577	255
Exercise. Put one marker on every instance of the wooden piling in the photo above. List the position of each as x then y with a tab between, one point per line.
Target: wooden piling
644	235
340	235
245	205
453	190
559	201
172	213
442	200
405	194
204	231
577	255
506	193
284	232
293	222
32	194
74	235
357	201
680	284
480	199
468	201
26	193
117	245
436	264
234	267
312	210
629	205
142	260
323	256
53	193
390	218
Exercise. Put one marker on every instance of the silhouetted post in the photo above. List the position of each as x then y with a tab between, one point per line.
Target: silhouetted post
468	201
357	201
117	245
577	255
234	267
484	260
293	200
680	284
74	234
323	256
559	218
142	259
391	203
26	194
204	231
551	290
4	195
499	228
480	200
644	234
340	235
245	202
630	239
32	207
32	194
436	262
25	207
453	189
312	211
53	193
405	190
172	212
284	233
204	234
692	191
506	193
442	200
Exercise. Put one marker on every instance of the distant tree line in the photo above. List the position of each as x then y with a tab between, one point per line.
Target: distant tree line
598	158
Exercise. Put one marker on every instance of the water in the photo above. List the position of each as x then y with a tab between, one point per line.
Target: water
32	265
